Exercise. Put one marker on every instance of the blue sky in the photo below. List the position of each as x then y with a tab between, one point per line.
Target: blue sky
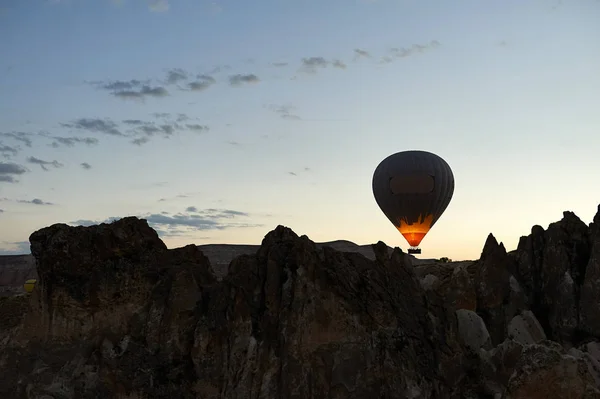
219	120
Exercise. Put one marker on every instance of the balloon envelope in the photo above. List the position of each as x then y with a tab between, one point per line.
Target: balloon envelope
413	189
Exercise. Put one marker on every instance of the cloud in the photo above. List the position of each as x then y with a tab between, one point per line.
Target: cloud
9	170
152	129
193	219
35	201
215	213
414	49
1	210
360	53
132	89
70	141
19	136
202	83
133	122
176	75
338	64
140	141
312	63
296	173
284	111
238	80
158	5
142	93
95	125
119	85
196	221
8	151
161	114
165	127
187	195
85	165
16	248
43	164
197	128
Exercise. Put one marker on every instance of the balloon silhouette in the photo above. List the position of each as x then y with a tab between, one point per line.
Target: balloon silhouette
413	189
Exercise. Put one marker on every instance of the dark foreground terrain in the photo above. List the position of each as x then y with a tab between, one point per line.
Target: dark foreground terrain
116	314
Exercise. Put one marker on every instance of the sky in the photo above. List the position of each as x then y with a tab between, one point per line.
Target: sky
218	120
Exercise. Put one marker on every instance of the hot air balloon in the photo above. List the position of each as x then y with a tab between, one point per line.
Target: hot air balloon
29	285
413	189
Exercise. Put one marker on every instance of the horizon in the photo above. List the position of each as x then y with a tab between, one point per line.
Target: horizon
218	120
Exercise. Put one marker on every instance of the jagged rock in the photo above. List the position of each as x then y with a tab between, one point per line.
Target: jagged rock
117	314
380	249
526	329
472	330
494	289
558	272
589	305
430	282
546	371
461	292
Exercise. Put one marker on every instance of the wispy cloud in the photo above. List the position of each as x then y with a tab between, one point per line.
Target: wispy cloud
176	75
142	93
307	169
179	196
85	165
35	201
284	111
22	137
158	5
8	171
201	83
192	219
140	141
312	64
44	164
338	64
238	80
414	49
132	89
95	125
360	53
8	151
58	141
197	128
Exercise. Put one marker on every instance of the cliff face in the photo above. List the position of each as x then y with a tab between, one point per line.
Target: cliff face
117	314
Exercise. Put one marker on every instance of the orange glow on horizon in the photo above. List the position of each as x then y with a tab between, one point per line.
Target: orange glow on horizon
414	233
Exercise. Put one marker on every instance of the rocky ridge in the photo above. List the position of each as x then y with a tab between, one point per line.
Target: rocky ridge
16	269
116	314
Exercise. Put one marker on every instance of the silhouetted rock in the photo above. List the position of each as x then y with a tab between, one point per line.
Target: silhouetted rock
117	314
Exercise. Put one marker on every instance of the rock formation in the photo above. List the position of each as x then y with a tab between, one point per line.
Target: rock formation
115	314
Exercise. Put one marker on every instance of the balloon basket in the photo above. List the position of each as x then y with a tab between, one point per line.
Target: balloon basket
414	250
